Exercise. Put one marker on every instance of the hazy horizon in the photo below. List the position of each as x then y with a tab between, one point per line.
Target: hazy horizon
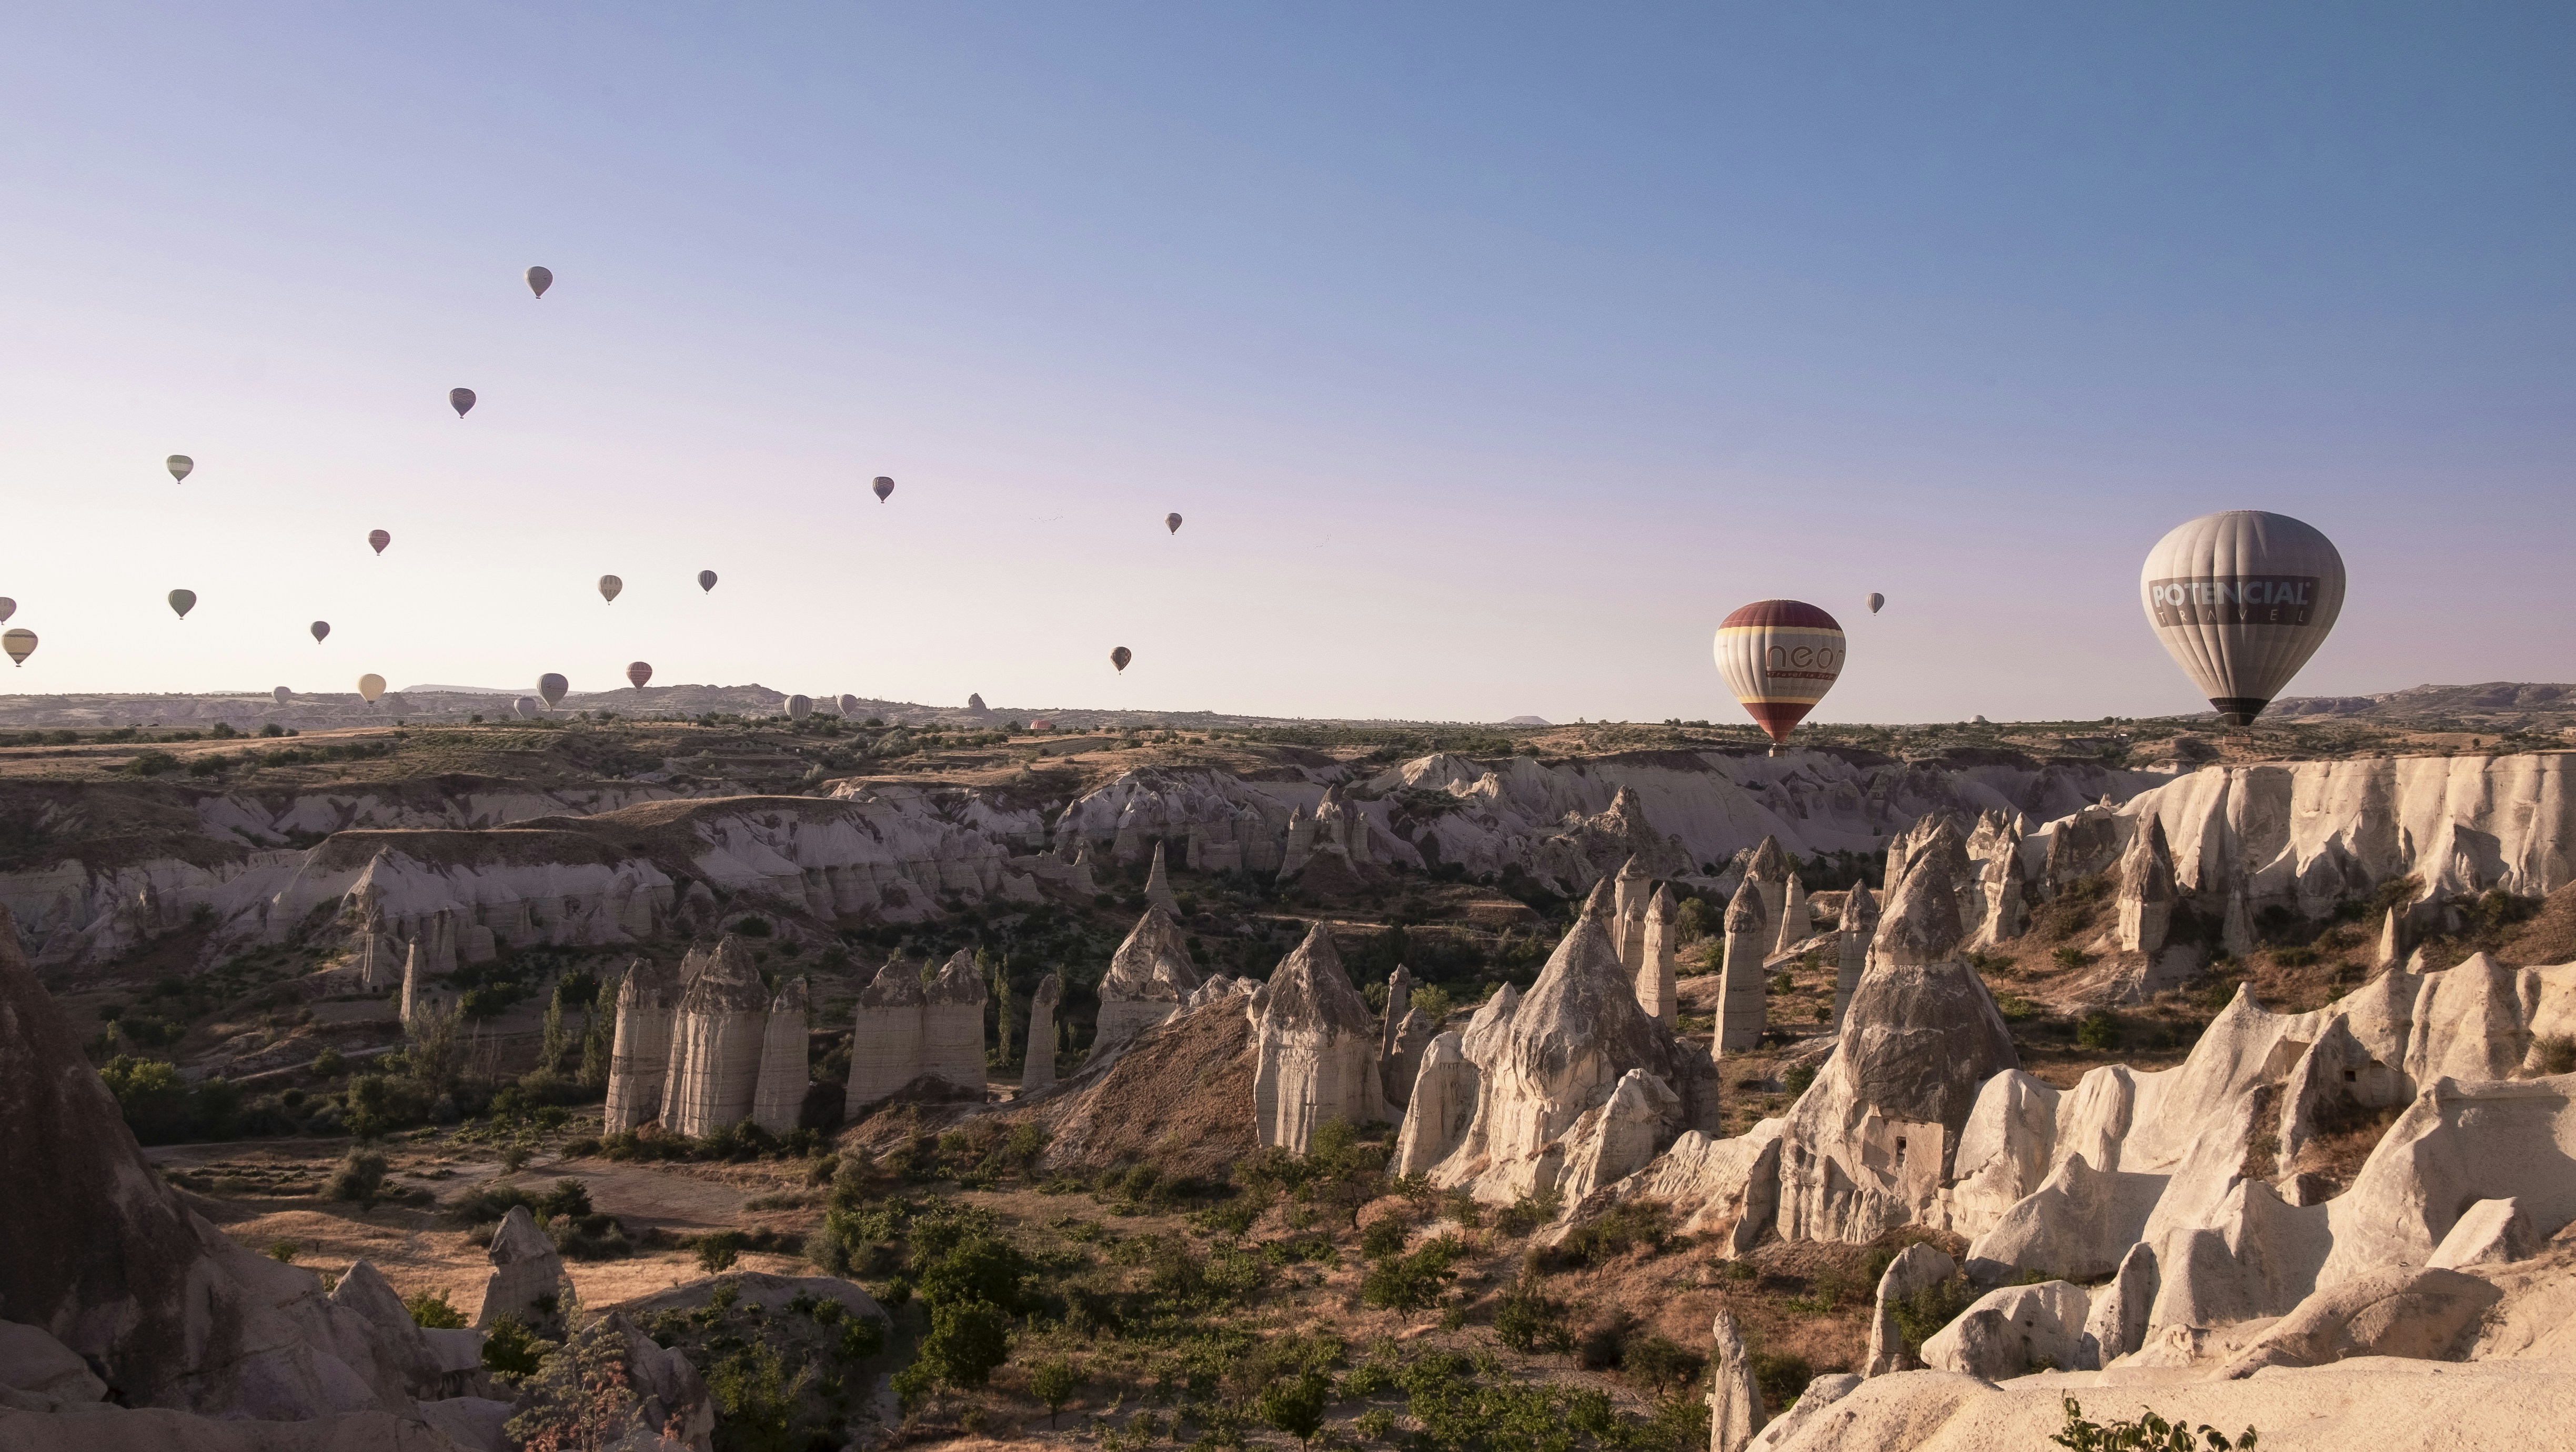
1492	354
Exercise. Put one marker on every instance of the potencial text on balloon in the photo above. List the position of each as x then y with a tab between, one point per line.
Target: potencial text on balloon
2233	600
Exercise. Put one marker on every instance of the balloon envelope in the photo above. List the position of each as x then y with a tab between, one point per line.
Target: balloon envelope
1120	657
539	279
849	708
281	693
321	628
609	585
2241	599
706	579
378	539
1172	522
21	643
8	607
1779	657
460	399
181	466
552	688
1876	600
527	707
370	687
884	486
183	601
799	707
637	673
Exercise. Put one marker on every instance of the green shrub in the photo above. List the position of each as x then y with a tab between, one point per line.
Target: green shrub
966	1341
1919	1316
1799	1079
2557	1053
511	1349
1781	1375
430	1311
1660	1361
1296	1405
718	1249
2070	957
359	1176
757	1395
2098	1030
1382	1237
2148	1433
1054	1384
1527	1319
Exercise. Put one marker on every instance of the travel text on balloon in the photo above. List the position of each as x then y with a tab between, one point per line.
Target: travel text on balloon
2233	600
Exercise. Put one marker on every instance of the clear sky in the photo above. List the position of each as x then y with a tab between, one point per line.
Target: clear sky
1493	353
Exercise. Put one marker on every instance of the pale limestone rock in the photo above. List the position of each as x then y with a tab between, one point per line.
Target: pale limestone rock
2493	1232
2236	929
1797	923
2147	893
1851	946
1399	1069
2078	1223
1630	892
1657	993
1735	1411
1438	1107
1317	1049
1615	1138
1147	979
640	1060
1037	1072
32	1361
716	1035
2425	1314
2117	1323
1744	994
1768	870
2010	1332
2003	1152
1399	1000
786	1063
392	1355
2003	887
2392	942
524	1269
1158	884
1915	1267
1821	1392
885	1039
952	1026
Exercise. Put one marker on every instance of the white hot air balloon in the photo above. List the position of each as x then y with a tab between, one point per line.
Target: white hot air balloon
552	687
527	708
609	585
371	687
2241	599
799	707
1780	657
281	693
849	708
1876	600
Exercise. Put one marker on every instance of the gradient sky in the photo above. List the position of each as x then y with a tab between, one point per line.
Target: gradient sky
1493	353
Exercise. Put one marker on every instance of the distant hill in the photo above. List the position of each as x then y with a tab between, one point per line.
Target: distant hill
2496	705
457	691
1527	721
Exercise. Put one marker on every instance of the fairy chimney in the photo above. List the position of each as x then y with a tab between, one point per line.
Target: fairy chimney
1797	924
1860	922
2147	891
1158	885
640	1056
1148	977
1037	1070
1657	993
1316	1049
786	1065
716	1035
1743	1008
885	1037
952	1026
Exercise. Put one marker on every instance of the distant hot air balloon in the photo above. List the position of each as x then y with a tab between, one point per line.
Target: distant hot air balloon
20	643
183	601
370	687
527	707
637	673
181	466
8	607
1876	600
706	579
552	688
1120	657
321	628
1172	522
460	399
281	693
884	486
849	708
379	539
539	279
1779	657
609	585
799	707
2241	599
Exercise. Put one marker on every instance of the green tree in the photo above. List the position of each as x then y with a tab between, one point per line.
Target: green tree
431	1312
758	1396
359	1176
1296	1405
552	1043
718	1249
977	1268
966	1341
598	1037
1054	1383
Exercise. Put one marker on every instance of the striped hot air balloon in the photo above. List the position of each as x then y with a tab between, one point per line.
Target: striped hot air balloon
2241	599
1779	657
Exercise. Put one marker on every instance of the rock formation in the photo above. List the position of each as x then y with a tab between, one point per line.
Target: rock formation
525	1269
885	1040
1768	870
1735	1410
1445	1088
786	1062
1630	892
1317	1047
1851	946
1744	994
2147	894
1037	1070
1915	1269
717	1032
1657	992
1403	1063
1797	924
952	1027
640	1060
1158	885
1147	979
2002	885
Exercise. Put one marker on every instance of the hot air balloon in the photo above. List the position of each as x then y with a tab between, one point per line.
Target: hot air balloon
884	486
8	607
706	579
181	466
321	628
1876	600
281	693
460	399
1120	657
527	707
183	601
552	688
370	687
539	279
637	673
2241	599
1779	657
20	643
379	539
609	585
799	707
849	708
1172	522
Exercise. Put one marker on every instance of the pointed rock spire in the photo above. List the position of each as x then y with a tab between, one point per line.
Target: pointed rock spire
1158	884
1744	996
1859	924
1037	1071
1316	1048
1921	924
